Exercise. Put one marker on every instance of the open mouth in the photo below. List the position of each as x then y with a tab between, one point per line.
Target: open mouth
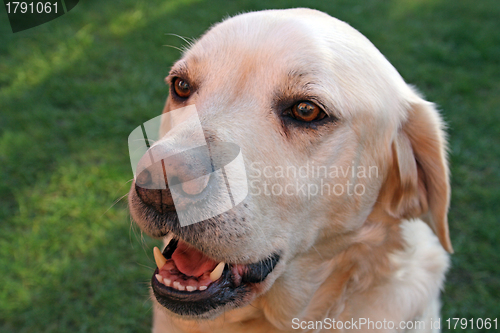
188	282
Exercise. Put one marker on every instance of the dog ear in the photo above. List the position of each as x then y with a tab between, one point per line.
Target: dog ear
418	183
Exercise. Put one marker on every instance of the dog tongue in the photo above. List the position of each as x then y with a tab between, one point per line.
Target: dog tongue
190	261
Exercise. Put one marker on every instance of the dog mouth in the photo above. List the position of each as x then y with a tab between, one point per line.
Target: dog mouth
190	283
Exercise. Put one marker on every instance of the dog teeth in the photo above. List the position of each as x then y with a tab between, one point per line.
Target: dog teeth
217	272
167	239
168	268
159	258
178	285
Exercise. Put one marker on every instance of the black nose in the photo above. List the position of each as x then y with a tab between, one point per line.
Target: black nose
190	170
159	199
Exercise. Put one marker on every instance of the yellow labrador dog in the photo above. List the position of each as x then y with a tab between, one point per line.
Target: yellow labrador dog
345	223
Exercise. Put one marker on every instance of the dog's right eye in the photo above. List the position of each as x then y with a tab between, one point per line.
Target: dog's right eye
181	88
306	111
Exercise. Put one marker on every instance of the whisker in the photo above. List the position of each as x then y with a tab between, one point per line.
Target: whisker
114	203
150	268
188	42
174	47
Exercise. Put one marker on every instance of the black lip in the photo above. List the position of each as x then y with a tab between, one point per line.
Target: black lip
220	293
258	272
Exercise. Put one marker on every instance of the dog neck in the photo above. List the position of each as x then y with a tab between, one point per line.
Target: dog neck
340	268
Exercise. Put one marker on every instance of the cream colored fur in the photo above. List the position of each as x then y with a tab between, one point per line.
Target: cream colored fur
380	255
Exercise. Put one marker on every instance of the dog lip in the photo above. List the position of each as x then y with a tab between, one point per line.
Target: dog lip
258	272
235	283
196	303
165	290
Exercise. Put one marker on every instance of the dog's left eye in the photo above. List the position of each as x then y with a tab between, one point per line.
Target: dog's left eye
306	111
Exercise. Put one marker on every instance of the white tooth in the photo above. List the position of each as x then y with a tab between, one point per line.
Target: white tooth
167	282
190	288
159	258
167	239
159	278
202	287
217	272
179	286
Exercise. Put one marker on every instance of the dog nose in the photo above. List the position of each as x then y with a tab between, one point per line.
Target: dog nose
186	173
143	178
159	199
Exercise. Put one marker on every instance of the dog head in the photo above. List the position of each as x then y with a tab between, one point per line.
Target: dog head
329	133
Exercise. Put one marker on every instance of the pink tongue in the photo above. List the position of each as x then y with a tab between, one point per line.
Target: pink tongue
190	261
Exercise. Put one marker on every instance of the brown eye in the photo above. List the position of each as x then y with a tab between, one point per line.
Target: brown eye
307	111
182	88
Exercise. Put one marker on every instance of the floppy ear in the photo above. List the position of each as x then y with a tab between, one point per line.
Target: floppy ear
418	182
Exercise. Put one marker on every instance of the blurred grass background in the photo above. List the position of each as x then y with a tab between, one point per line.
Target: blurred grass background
73	89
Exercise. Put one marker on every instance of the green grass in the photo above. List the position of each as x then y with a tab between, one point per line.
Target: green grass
72	90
